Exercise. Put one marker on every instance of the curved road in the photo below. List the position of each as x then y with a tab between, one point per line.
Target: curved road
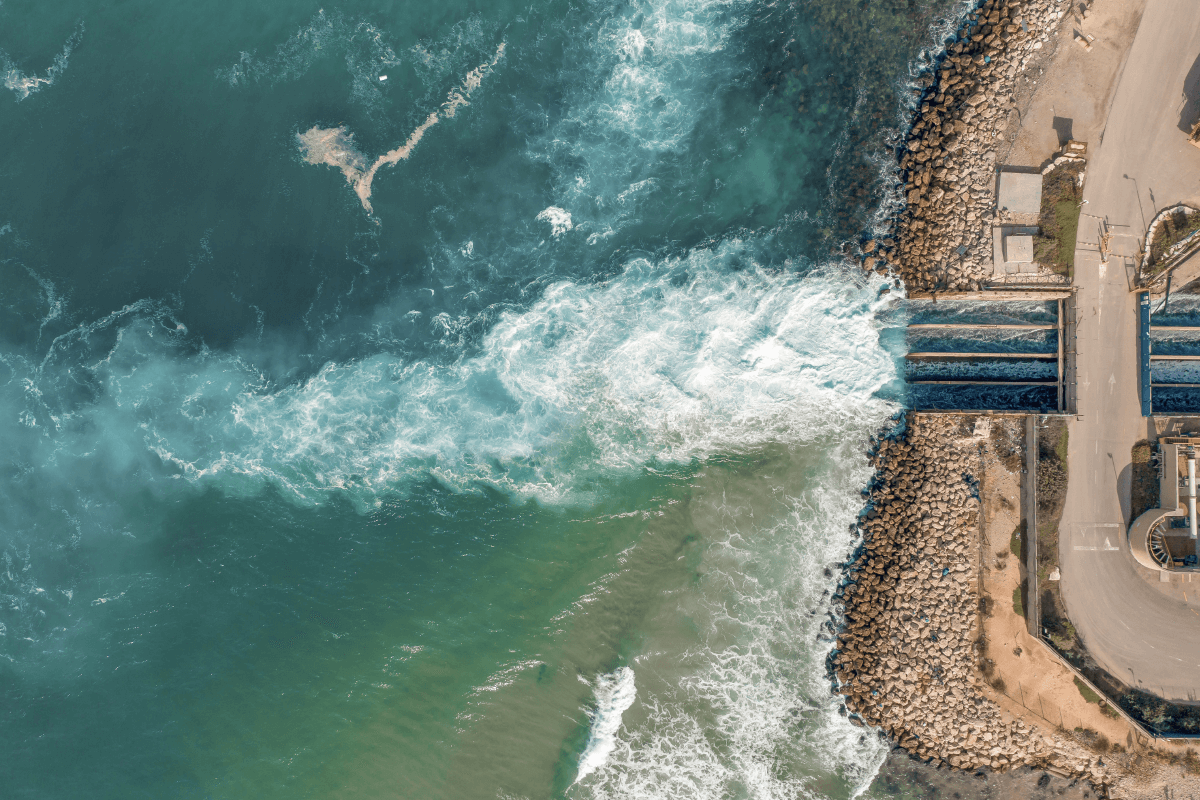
1140	631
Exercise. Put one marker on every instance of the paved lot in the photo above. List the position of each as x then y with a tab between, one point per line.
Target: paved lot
1076	91
1142	164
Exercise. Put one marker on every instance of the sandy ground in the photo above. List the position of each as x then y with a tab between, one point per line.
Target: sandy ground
1068	95
1065	95
1037	687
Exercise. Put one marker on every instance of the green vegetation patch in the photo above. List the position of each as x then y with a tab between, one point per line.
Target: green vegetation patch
1051	470
1051	488
1153	712
1058	628
1014	542
1054	246
1144	489
1170	231
1018	602
1087	692
1160	715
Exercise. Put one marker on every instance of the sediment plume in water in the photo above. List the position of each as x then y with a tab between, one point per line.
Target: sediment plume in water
335	146
22	84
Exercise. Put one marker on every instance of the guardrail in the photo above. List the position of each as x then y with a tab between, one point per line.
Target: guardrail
1144	353
1033	611
1180	252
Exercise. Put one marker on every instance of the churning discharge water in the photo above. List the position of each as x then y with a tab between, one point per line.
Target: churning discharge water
438	400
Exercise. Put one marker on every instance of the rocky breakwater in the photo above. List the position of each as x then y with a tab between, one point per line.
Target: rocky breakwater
907	657
942	238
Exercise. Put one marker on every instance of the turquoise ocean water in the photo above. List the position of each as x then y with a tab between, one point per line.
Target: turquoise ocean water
532	482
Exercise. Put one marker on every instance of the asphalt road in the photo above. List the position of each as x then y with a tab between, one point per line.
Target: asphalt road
1142	164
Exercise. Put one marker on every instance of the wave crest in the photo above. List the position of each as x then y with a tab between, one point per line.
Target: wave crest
615	693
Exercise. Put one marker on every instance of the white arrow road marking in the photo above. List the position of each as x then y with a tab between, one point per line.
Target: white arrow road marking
1112	382
1092	527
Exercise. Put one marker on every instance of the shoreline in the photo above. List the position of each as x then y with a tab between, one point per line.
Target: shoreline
946	159
908	656
919	604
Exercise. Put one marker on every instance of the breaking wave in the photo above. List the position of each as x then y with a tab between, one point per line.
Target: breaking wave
615	693
747	710
559	219
641	95
721	351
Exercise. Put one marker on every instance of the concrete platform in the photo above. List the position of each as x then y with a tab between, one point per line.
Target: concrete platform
1020	192
1002	264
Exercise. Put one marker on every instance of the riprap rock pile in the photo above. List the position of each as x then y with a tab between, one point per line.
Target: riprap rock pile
906	658
942	239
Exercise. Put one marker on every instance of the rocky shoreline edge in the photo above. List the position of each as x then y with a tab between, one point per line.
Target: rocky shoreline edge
907	655
940	241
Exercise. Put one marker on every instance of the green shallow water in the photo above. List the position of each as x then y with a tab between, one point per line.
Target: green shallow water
445	500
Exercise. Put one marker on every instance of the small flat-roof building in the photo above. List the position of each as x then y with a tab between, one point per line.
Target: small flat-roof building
1018	249
1020	193
1012	250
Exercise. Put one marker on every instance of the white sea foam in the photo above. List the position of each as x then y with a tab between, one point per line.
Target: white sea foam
667	362
615	693
658	66
358	42
559	219
748	711
23	85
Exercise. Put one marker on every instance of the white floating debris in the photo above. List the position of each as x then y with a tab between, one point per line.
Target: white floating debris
559	219
383	77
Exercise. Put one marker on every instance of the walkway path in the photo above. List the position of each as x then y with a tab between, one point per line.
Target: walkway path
1143	163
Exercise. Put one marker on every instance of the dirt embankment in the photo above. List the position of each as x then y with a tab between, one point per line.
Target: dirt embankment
942	238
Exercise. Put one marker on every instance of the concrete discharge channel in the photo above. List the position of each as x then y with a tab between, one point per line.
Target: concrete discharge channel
972	355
